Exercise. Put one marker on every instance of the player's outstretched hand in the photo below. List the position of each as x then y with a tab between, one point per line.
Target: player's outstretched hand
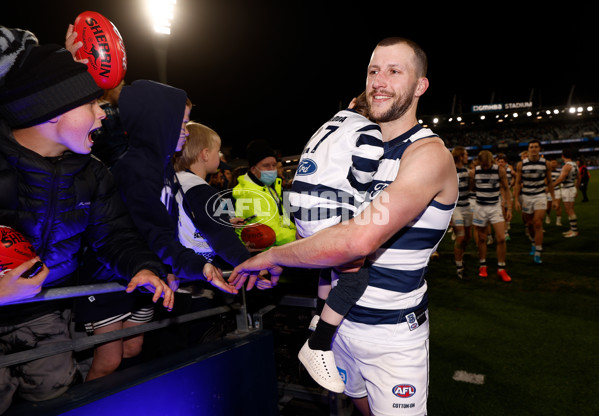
215	276
250	270
13	287
149	281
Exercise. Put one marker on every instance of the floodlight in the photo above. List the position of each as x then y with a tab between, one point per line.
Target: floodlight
162	13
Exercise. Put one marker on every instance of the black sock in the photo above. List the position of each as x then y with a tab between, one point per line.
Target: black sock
322	337
320	305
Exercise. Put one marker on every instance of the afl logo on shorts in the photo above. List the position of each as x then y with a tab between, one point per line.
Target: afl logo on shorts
306	167
404	390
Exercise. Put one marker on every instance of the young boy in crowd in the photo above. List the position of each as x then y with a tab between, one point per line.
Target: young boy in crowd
59	197
204	223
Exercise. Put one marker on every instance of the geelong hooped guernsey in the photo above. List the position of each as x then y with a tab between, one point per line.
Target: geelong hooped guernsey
570	180
554	175
464	187
335	171
486	183
509	174
396	285
533	176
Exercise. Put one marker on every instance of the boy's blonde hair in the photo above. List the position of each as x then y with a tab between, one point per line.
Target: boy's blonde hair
200	137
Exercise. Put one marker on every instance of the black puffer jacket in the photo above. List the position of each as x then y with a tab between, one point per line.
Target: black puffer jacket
62	203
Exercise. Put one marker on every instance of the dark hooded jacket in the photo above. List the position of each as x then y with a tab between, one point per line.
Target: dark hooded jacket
152	114
60	204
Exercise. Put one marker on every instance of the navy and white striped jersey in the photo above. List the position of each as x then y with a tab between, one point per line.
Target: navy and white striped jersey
396	284
570	180
554	175
533	176
509	174
334	172
487	185
464	187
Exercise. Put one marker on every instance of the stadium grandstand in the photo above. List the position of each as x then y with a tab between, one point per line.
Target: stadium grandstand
507	128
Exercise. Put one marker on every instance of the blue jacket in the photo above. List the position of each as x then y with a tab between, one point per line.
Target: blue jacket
152	114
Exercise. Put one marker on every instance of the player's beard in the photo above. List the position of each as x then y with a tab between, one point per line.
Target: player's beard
398	108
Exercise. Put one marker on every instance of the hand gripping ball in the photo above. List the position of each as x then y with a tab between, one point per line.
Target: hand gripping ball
15	249
103	47
258	236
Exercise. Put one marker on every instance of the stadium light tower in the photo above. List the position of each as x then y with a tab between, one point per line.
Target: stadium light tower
162	13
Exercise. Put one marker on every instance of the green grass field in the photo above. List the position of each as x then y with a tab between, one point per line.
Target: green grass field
533	342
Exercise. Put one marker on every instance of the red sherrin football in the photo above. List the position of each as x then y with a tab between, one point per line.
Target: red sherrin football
14	249
104	48
258	236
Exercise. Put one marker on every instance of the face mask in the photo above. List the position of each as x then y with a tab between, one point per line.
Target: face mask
268	177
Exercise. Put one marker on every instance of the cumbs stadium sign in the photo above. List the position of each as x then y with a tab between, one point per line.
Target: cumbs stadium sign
500	106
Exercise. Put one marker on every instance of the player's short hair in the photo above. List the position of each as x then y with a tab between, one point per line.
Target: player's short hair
534	141
421	59
458	152
200	137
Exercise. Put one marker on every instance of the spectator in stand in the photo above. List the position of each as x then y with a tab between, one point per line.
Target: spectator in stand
259	193
118	310
57	196
490	181
204	225
155	116
570	181
585	176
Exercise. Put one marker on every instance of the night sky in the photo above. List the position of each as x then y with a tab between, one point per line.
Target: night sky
277	69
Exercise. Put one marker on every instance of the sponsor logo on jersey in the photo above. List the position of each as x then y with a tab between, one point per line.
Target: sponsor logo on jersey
404	390
306	167
412	321
343	374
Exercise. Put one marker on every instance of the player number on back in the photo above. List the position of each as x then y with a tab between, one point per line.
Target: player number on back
327	131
